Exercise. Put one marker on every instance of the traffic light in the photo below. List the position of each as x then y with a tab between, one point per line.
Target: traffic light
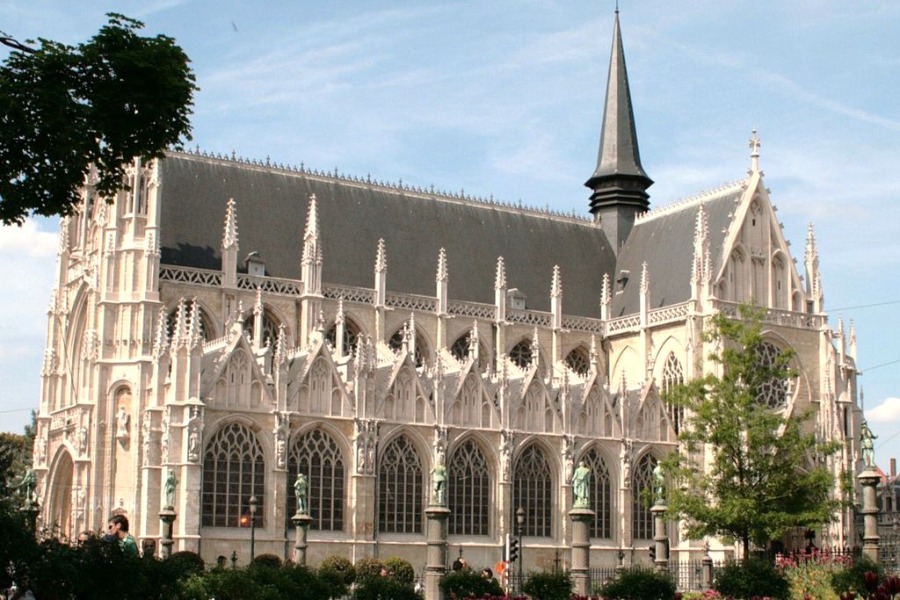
513	553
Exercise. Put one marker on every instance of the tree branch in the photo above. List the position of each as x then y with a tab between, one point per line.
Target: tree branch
14	43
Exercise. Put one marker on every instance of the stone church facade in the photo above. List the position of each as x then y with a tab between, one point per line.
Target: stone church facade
236	322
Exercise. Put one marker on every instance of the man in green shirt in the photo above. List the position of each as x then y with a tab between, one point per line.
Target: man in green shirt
118	528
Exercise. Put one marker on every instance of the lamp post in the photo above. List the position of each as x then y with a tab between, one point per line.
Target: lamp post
252	527
520	521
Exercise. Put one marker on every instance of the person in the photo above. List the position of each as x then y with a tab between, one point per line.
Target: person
171	482
486	573
118	530
300	489
580	481
84	537
867	445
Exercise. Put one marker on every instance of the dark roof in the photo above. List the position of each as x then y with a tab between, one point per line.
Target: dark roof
272	206
618	154
664	239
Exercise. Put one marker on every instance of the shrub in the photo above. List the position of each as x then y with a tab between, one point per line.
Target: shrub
336	573
379	588
368	567
852	579
468	583
267	560
639	583
400	569
752	578
184	563
548	585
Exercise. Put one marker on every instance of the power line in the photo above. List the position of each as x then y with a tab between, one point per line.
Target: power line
892	362
864	306
16	410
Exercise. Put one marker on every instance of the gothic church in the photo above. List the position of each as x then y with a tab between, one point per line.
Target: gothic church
235	322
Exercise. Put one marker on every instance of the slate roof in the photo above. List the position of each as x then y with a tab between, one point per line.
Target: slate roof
664	239
272	207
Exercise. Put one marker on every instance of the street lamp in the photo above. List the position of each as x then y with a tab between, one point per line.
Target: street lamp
520	521
252	527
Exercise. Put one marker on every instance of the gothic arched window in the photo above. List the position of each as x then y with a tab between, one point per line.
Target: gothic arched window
318	457
351	335
204	325
468	491
521	354
270	327
774	391
400	495
641	489
601	495
234	469
533	491
673	376
578	361
396	343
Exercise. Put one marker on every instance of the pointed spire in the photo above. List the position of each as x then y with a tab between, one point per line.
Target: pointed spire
593	354
161	340
619	182
230	235
645	278
535	348
500	279
194	337
442	266
852	350
605	292
280	347
258	304
700	269
312	251
380	257
754	144
811	254
180	330
556	283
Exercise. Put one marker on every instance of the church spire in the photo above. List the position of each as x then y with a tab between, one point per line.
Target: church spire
619	182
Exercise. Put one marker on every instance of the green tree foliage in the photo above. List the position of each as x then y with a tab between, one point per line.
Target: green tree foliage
639	583
765	472
105	102
15	460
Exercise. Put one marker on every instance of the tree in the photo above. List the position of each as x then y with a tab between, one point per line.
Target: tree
763	473
64	109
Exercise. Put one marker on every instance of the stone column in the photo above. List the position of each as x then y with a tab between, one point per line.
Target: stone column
167	517
706	575
301	522
869	480
436	560
660	536
581	549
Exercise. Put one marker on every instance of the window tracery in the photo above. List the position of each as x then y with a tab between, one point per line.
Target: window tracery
641	488
601	495
774	391
234	469
533	488
673	376
469	485
401	494
396	344
319	458
579	361
521	354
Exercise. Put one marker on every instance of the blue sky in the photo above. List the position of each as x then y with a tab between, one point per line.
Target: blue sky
505	98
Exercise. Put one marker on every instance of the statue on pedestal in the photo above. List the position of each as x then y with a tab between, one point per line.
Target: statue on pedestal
171	482
867	445
301	488
581	485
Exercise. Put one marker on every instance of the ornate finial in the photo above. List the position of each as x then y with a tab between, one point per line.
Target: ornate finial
380	257
312	250
230	236
500	279
280	347
258	304
754	152
442	266
339	317
194	336
161	343
605	292
556	283
180	329
645	278
811	252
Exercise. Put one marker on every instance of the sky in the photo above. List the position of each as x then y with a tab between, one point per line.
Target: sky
505	98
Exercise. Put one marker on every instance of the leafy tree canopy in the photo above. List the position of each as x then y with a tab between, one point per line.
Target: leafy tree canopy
746	470
103	103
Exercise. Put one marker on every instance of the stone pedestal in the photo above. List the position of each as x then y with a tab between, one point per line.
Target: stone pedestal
660	536
30	510
301	522
869	480
167	517
581	549
436	560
